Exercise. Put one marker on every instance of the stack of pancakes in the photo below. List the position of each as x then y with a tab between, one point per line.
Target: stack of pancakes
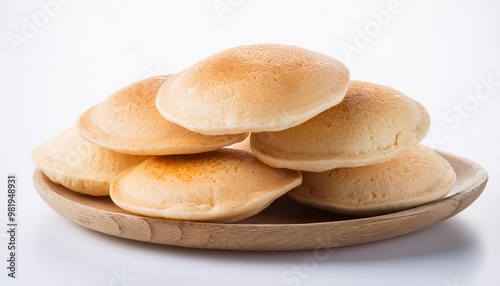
295	125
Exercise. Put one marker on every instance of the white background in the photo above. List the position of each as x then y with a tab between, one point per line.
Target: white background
57	60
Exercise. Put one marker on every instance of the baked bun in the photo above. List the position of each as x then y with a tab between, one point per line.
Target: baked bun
415	177
128	122
253	88
226	185
79	165
373	124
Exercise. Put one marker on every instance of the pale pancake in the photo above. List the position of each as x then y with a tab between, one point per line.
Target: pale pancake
373	124
226	185
253	88
79	165
415	177
128	122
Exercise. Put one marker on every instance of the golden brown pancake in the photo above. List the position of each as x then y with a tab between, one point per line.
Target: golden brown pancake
226	185
128	122
253	88
373	124
415	177
79	165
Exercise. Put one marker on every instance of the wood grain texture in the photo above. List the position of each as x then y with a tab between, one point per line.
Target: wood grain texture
285	225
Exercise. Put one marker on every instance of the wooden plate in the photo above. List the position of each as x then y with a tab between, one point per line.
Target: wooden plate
285	225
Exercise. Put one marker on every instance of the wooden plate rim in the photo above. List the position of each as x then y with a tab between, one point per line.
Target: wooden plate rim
458	202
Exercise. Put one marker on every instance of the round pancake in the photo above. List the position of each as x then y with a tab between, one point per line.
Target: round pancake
79	165
373	124
128	122
226	185
253	88
415	177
